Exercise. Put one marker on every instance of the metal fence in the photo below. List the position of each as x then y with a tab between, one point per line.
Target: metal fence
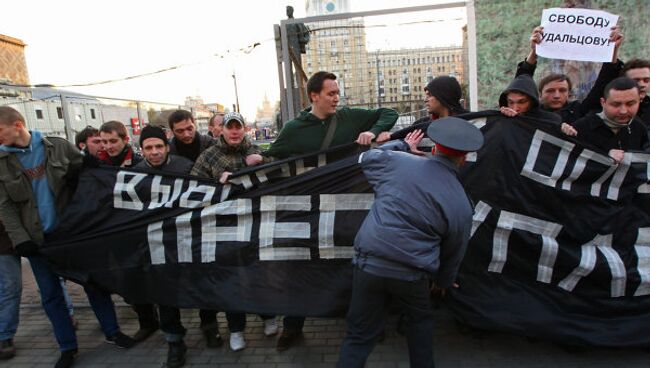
381	58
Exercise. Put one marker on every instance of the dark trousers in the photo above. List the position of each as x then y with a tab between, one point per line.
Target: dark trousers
293	324
170	321
147	316
371	296
237	321
208	319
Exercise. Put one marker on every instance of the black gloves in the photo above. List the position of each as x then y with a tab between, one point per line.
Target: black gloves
27	249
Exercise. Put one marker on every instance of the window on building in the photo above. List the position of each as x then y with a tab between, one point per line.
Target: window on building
59	112
39	114
92	114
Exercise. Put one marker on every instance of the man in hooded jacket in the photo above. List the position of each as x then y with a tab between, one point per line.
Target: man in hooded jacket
521	98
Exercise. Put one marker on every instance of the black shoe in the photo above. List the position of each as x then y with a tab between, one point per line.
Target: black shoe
7	349
144	332
176	354
287	338
121	340
66	359
212	338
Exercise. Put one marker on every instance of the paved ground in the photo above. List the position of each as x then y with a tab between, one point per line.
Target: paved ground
37	348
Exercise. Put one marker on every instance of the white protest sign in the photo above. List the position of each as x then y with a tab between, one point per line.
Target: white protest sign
577	34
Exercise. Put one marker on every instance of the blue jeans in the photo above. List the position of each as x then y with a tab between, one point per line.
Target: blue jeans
371	296
10	290
57	310
54	303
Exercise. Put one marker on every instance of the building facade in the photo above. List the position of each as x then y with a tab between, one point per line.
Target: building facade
13	67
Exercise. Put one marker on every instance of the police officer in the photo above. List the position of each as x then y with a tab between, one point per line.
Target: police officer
415	233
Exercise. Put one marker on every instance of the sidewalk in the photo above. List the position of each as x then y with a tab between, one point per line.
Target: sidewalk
37	347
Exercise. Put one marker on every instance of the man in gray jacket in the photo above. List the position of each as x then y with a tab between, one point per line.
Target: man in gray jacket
416	232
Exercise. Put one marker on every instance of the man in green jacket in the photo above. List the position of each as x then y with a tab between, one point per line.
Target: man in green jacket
308	131
318	127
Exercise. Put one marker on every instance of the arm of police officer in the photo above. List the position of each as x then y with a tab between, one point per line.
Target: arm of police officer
452	251
413	139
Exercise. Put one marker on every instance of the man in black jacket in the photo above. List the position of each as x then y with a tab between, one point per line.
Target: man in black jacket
187	141
639	71
155	150
555	89
615	129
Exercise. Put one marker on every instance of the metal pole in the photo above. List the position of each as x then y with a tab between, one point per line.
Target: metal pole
234	78
140	121
278	50
378	85
472	56
288	72
69	133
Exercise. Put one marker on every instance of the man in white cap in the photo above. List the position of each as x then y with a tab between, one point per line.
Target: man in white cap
415	233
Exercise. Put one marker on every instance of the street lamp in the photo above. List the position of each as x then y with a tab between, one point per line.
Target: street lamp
234	78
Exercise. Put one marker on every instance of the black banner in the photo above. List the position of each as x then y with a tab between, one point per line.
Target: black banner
278	242
561	239
560	246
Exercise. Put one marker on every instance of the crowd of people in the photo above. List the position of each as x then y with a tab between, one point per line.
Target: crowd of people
410	244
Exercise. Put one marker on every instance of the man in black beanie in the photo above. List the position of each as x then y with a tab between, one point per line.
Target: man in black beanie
155	150
442	99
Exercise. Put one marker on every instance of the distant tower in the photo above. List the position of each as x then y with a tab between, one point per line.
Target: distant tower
325	7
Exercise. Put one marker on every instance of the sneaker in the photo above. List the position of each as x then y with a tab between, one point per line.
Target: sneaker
176	354
144	332
237	341
270	327
7	349
287	339
66	359
121	341
212	338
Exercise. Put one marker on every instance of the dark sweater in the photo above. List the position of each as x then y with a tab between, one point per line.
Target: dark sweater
592	130
193	150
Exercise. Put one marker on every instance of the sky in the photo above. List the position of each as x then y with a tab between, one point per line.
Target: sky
75	42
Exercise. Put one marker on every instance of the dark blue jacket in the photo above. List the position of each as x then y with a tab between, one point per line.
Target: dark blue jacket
420	222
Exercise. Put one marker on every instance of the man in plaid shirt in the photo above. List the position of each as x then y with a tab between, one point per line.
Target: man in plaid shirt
233	151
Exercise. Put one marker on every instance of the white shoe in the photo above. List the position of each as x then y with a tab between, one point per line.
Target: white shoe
237	341
270	327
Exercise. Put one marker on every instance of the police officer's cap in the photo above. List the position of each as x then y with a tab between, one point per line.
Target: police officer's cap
455	133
